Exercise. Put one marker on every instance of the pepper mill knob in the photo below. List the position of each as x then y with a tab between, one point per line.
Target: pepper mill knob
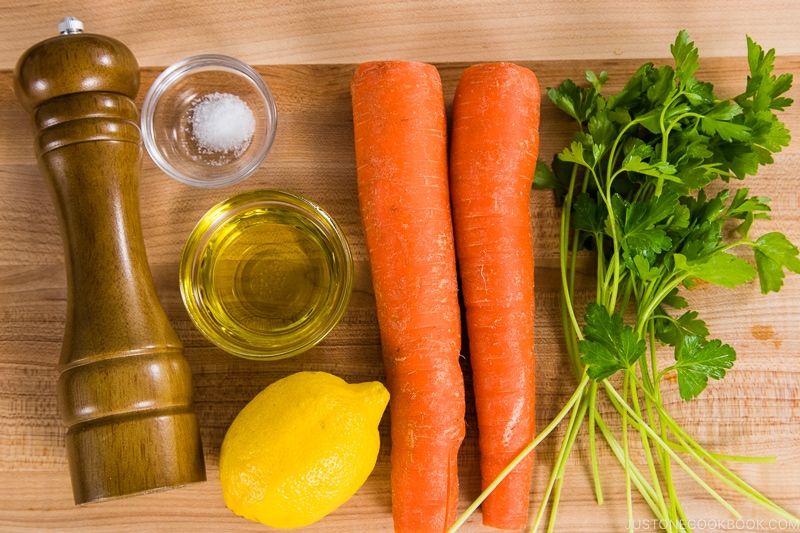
124	389
70	25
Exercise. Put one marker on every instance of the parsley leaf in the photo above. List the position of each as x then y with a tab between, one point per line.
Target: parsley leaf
747	210
641	266
609	346
773	252
763	88
629	97
721	268
588	215
741	154
597	81
640	233
602	129
578	154
659	169
573	100
686	57
706	224
696	361
769	135
662	85
741	205
672	331
718	121
558	179
674	300
544	178
699	93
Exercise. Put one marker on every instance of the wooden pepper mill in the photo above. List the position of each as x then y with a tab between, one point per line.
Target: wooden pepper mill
124	389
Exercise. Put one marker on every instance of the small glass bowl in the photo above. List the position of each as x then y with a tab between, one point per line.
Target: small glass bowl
266	274
167	128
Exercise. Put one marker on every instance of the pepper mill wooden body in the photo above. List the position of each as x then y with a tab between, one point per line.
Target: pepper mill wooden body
124	389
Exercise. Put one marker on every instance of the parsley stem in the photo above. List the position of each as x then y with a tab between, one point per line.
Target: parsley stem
567	409
627	455
575	240
607	276
694	449
612	300
665	138
654	499
638	478
643	318
568	317
612	392
572	435
653	357
612	153
666	467
564	251
626	295
646	447
600	262
551	524
681	518
726	247
563	453
598	489
570	339
748	459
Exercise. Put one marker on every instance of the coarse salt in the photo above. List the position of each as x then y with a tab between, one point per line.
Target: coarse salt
222	122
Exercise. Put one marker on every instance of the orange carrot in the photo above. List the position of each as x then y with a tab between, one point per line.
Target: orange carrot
495	143
401	157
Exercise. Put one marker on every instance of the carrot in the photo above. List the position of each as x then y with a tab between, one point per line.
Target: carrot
401	157
495	143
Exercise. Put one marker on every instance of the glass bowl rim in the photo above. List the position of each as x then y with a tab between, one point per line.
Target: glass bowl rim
235	205
177	71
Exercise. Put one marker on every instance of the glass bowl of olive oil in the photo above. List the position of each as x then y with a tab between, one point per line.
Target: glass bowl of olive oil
266	274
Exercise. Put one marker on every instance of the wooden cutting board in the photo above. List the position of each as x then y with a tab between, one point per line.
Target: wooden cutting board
755	410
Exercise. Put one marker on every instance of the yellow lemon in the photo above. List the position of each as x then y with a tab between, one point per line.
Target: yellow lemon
301	448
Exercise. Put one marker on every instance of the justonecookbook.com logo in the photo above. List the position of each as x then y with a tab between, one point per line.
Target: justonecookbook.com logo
723	524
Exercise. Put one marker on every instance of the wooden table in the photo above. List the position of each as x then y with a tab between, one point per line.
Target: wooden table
306	52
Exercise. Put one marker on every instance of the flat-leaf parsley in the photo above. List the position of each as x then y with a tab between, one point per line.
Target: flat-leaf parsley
632	187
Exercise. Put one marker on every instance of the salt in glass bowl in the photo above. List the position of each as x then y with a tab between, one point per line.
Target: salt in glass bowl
266	274
167	114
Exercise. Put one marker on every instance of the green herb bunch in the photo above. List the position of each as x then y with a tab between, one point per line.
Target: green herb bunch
632	185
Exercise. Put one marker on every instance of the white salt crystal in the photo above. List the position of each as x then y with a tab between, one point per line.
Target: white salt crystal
222	122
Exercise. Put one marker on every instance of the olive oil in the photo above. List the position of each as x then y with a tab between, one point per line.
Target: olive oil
265	276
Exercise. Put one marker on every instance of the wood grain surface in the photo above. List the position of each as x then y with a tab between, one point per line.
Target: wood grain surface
347	31
755	410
